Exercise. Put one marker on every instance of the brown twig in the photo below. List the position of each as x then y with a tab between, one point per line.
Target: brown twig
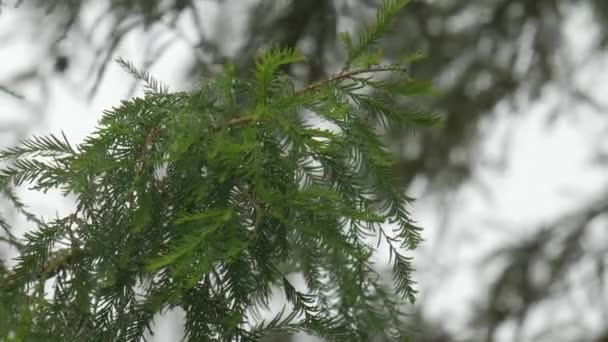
348	74
238	121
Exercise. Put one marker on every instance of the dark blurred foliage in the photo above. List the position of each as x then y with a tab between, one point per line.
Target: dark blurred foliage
480	53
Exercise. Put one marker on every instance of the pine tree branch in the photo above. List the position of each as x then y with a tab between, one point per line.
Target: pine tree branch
336	78
209	233
350	73
63	257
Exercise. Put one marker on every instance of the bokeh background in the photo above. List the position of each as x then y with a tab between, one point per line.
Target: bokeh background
512	191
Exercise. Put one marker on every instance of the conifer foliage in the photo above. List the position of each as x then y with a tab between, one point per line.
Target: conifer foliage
210	201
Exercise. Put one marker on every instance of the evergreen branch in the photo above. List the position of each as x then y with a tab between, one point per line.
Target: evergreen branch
49	146
24	170
350	74
369	36
268	64
280	323
59	261
151	83
19	205
7	229
239	121
402	270
189	206
316	85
